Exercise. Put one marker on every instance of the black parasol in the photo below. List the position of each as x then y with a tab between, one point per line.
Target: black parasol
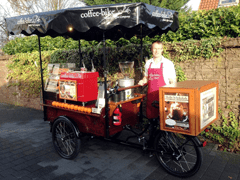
96	23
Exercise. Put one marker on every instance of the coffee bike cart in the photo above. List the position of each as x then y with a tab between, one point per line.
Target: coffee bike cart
83	106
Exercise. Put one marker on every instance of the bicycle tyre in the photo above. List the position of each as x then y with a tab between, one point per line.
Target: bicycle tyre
173	152
64	138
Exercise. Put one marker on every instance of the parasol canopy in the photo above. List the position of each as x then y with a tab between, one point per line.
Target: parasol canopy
89	23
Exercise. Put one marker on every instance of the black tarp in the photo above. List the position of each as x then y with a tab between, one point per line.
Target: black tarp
89	23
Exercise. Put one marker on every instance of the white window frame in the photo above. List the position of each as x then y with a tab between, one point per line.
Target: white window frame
220	4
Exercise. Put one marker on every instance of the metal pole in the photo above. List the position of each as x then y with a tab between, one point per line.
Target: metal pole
141	52
41	70
79	49
105	86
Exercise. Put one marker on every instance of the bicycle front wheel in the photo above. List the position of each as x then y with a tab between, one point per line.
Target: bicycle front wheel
65	140
178	154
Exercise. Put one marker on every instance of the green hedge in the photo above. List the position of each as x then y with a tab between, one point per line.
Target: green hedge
22	65
25	68
196	25
30	44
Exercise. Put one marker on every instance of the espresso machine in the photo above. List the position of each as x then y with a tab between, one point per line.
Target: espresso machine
126	69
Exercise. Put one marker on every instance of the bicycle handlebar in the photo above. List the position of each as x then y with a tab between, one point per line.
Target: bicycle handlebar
131	87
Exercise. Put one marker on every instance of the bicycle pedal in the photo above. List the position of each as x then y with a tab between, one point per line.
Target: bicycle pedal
148	153
151	154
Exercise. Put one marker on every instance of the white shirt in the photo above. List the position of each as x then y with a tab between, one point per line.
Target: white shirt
168	68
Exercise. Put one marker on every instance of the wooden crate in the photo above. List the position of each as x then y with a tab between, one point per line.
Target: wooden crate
188	107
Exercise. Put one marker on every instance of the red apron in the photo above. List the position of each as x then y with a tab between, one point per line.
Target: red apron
155	80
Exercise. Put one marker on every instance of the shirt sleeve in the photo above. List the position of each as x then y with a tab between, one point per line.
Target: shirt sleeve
146	68
169	72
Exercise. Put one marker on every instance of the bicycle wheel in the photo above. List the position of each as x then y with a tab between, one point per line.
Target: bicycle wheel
65	140
178	154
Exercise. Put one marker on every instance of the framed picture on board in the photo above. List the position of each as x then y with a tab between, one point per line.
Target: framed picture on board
68	89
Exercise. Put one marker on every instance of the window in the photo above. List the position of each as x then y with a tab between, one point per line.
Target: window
228	2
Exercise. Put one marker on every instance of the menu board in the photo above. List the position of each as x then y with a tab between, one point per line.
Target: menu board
207	106
54	71
68	89
176	110
52	80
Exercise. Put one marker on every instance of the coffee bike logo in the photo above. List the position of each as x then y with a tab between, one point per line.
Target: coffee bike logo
106	12
30	21
165	15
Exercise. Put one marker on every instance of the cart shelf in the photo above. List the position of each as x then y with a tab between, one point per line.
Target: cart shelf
80	112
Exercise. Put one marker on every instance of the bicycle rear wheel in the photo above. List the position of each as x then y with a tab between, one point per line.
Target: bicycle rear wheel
178	154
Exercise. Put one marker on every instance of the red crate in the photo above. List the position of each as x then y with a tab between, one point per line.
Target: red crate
87	87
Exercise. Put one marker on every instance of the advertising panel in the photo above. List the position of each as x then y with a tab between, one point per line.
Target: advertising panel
68	90
207	106
177	110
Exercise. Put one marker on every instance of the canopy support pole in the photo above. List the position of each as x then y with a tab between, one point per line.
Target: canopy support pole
141	68
41	70
141	52
79	51
105	86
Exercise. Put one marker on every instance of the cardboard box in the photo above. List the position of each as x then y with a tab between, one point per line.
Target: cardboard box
188	107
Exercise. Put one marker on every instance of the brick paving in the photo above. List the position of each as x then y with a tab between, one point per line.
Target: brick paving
26	152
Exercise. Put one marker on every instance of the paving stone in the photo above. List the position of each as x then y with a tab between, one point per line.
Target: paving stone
6	160
6	166
83	176
158	173
33	168
143	172
206	177
20	166
25	178
213	172
228	175
49	176
20	174
7	172
233	168
10	177
107	173
19	161
92	171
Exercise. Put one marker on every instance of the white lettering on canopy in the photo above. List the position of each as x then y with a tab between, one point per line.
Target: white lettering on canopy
163	14
28	20
105	12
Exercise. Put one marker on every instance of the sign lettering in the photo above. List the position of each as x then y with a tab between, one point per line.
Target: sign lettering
106	12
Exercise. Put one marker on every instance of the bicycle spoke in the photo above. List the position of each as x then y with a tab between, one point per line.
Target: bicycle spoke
185	162
191	154
180	166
